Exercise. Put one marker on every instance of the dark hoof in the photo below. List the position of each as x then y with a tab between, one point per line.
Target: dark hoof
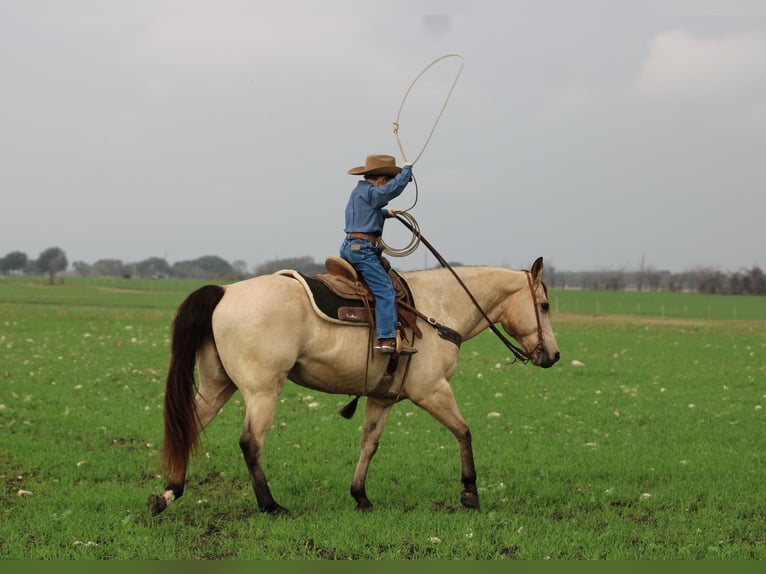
364	507
277	510
156	504
470	500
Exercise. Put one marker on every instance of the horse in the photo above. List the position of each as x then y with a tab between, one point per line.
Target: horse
255	334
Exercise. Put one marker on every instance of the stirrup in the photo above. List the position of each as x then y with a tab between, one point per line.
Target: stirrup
386	346
396	346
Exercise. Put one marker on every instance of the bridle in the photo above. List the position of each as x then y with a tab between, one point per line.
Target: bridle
540	346
520	354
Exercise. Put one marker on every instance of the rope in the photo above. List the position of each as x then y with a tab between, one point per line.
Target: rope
441	111
414	240
413	224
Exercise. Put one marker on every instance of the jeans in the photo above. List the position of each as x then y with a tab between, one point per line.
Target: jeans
365	258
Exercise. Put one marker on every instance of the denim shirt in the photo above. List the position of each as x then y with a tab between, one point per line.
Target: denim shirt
365	209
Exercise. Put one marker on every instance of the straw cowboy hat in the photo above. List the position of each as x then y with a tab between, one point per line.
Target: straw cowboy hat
377	165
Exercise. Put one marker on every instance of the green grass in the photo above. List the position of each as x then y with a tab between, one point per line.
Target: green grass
660	304
98	292
652	448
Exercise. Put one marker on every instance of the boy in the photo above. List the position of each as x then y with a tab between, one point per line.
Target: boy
365	213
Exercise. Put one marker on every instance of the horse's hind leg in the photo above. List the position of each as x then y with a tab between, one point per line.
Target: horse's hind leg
258	420
375	416
215	388
442	406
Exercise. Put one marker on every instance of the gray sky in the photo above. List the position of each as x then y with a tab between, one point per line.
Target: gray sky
591	133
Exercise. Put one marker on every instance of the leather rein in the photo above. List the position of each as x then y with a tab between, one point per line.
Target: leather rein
519	353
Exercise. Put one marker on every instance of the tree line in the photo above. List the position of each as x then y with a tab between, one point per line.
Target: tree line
53	263
701	280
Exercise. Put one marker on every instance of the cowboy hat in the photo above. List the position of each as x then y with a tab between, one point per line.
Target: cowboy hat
377	165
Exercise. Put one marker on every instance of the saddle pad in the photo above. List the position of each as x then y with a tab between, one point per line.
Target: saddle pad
326	303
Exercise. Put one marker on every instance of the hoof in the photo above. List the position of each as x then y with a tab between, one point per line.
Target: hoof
470	500
277	510
156	504
366	507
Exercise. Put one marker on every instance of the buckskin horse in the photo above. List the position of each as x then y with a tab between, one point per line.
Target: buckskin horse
253	335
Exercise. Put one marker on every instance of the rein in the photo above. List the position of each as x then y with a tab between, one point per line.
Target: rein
519	353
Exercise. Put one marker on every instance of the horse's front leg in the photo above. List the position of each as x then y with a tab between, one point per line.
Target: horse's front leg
375	415
442	406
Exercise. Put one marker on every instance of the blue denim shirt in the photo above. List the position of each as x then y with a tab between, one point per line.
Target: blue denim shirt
365	209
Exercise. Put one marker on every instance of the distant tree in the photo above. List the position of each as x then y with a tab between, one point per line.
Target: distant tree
109	268
152	267
206	267
613	280
710	281
604	280
746	282
757	281
240	267
14	262
51	261
676	281
653	278
305	265
82	268
550	276
215	266
186	270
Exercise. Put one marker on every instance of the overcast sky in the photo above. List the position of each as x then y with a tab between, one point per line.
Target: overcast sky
594	134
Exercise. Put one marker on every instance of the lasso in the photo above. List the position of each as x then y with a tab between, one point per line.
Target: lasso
413	225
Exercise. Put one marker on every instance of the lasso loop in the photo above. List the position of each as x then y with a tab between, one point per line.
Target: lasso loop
415	240
441	111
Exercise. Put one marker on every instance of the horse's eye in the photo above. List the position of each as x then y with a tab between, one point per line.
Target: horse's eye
545	307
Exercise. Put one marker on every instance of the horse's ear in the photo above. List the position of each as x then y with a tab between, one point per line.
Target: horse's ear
537	270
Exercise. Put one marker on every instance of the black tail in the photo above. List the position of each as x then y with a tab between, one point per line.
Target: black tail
192	326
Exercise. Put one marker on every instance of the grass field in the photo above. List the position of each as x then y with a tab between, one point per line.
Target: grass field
650	447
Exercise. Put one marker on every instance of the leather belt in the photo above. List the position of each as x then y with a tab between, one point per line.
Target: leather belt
371	238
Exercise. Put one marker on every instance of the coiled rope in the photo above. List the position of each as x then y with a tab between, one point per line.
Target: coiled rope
413	224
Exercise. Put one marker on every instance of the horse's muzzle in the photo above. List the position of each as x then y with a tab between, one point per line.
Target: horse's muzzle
546	360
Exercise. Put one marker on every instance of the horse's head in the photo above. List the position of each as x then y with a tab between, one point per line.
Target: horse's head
526	317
